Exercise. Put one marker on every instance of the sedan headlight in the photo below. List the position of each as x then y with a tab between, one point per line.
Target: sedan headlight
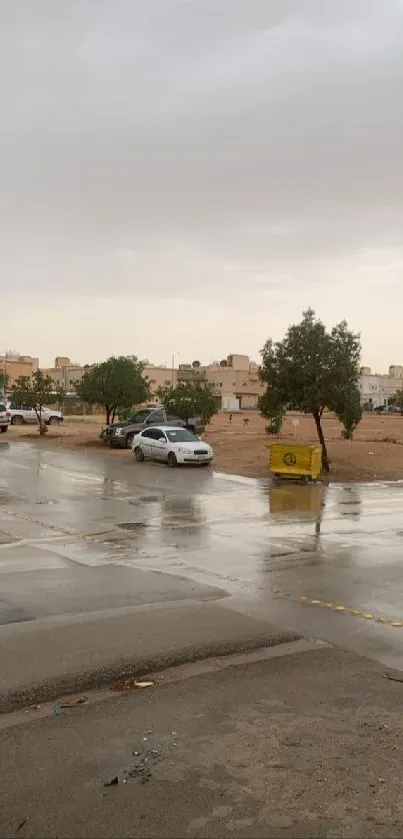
182	450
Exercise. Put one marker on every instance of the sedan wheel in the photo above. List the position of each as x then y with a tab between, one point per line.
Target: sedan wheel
138	453
172	461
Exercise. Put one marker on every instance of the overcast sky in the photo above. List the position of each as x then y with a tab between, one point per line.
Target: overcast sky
188	175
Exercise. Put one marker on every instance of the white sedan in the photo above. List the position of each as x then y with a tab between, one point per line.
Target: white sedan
172	445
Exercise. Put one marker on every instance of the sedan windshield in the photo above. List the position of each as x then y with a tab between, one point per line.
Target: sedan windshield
181	435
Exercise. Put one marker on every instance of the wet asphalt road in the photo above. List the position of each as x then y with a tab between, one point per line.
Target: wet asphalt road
82	533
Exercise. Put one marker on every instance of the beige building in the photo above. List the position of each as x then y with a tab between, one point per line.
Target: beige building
14	366
65	374
236	377
159	375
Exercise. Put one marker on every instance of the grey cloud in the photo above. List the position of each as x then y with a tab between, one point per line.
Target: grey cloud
195	134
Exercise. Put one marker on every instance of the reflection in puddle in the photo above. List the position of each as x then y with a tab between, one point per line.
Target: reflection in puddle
296	512
182	511
348	503
296	499
183	522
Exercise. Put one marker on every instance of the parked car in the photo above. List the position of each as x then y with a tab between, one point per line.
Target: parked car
22	414
5	418
121	434
173	445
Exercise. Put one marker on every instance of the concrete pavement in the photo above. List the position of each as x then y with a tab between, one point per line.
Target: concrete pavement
45	659
307	744
87	538
108	567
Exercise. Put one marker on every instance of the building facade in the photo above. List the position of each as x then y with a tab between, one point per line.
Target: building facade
13	366
65	374
377	389
235	377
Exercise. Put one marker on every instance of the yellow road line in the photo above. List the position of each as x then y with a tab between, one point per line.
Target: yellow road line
340	608
64	531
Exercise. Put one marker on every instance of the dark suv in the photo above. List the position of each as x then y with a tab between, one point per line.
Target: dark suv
120	434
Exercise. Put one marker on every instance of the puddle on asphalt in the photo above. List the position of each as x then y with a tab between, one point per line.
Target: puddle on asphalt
133	525
7	539
46	501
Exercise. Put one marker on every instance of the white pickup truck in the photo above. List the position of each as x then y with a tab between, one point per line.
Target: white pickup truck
22	414
5	418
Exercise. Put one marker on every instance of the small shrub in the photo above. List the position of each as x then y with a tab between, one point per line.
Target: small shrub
275	424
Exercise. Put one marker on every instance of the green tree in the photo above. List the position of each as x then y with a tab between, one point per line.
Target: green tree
350	413
189	399
273	410
398	400
115	383
313	369
4	380
59	395
35	391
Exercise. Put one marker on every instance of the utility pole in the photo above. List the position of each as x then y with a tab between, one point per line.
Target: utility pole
173	367
3	386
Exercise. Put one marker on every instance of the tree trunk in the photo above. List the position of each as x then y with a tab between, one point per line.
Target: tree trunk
108	414
325	459
41	427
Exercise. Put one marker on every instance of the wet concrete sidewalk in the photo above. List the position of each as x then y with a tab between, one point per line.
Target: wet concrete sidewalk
307	744
86	539
43	660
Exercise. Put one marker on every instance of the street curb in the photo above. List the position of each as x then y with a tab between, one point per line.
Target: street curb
47	691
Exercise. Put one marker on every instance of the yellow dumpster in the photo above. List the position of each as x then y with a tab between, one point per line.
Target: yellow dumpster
295	460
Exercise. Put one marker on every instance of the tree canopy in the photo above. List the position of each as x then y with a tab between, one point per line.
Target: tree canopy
189	399
115	383
313	369
35	391
3	385
398	400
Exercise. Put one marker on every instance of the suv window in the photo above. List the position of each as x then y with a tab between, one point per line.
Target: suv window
156	416
140	416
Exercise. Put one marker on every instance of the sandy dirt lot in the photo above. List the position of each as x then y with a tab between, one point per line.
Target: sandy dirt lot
376	453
